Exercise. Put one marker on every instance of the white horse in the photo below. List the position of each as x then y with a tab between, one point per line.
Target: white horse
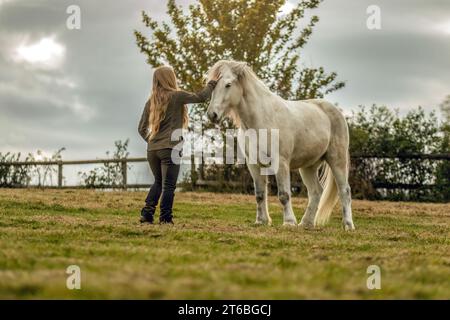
311	133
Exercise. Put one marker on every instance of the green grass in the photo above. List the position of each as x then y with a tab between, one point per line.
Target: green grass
214	250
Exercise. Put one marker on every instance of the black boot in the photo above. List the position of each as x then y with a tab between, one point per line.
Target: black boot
166	218
166	221
147	213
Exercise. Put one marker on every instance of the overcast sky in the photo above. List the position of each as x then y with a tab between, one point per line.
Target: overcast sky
84	89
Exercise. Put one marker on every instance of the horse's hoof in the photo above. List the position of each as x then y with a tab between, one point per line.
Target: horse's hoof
348	225
263	223
290	224
306	226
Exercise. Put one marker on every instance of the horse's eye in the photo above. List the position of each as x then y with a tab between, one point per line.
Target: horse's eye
228	85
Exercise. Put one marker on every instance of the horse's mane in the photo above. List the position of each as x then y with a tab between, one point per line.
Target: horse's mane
240	69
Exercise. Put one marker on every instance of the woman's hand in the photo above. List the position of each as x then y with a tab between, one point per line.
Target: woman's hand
215	78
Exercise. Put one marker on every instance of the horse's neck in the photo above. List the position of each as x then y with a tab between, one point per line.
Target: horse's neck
256	106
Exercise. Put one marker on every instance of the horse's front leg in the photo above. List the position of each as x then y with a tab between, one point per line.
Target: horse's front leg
260	182
284	193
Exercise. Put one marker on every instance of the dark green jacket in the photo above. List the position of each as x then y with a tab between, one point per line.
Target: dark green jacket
173	119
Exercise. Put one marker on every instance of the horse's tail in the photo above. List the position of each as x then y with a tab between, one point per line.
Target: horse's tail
329	196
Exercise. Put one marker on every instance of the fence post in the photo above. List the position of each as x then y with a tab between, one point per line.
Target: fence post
60	174
124	173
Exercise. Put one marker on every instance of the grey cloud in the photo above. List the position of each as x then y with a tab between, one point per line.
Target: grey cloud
402	65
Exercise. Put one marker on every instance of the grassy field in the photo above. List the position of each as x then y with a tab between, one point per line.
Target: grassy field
214	250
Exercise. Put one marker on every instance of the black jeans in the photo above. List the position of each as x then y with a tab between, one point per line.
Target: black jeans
166	173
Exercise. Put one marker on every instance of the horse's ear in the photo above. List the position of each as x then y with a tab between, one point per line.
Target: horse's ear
239	69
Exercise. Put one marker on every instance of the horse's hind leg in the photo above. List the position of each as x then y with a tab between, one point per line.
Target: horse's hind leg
260	182
284	193
311	180
339	163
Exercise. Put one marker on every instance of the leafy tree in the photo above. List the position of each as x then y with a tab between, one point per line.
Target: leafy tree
445	108
379	131
244	30
443	171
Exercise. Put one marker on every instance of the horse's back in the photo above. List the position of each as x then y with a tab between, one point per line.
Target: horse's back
335	116
340	140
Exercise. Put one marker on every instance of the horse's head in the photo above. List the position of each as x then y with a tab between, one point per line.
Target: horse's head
228	92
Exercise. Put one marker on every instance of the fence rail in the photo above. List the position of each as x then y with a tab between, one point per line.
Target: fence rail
124	166
124	169
414	156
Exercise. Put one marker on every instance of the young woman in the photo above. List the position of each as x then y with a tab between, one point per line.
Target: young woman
165	112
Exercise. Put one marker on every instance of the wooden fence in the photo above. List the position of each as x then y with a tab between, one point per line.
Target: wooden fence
125	161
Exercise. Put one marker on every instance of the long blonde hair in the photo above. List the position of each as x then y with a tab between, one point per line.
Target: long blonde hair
164	84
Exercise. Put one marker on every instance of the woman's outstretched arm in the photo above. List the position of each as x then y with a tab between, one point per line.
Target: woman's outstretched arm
185	97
